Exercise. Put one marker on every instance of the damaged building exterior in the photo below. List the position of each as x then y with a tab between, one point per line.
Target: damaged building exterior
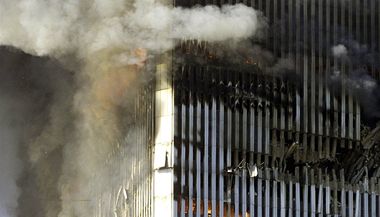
238	140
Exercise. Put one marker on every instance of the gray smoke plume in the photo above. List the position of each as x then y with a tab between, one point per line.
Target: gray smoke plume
10	165
35	96
108	44
358	81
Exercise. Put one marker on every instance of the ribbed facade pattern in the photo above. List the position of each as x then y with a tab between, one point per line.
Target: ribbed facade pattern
292	130
129	190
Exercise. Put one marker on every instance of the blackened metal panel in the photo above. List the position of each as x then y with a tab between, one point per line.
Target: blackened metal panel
321	83
290	199
298	64
291	120
327	74
313	93
305	72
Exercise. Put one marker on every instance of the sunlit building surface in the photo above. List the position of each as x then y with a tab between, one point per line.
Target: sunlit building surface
226	139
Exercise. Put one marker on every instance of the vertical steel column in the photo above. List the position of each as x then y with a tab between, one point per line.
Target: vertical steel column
283	197
243	151
267	135
373	196
358	34
357	203
260	193
364	29
321	83
313	201
344	75
335	194
343	194
252	196
183	160
320	194
236	158
229	158
350	97
206	150
289	117
213	157
306	186
291	197
251	160
198	166
163	141
350	202
313	92
267	192
274	193
298	67
260	123
190	141
298	194
221	156
365	197
305	76
328	195
336	126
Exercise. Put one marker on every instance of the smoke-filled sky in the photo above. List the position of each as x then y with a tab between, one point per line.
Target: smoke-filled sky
68	69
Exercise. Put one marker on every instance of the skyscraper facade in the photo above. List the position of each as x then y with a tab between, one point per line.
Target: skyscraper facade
250	138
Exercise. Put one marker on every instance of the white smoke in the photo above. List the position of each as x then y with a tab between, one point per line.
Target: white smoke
57	27
112	40
339	51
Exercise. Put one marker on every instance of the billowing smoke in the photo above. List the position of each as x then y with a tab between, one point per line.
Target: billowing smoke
36	97
83	27
109	45
358	80
339	51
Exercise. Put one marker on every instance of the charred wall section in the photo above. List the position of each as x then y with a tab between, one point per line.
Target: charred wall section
299	131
